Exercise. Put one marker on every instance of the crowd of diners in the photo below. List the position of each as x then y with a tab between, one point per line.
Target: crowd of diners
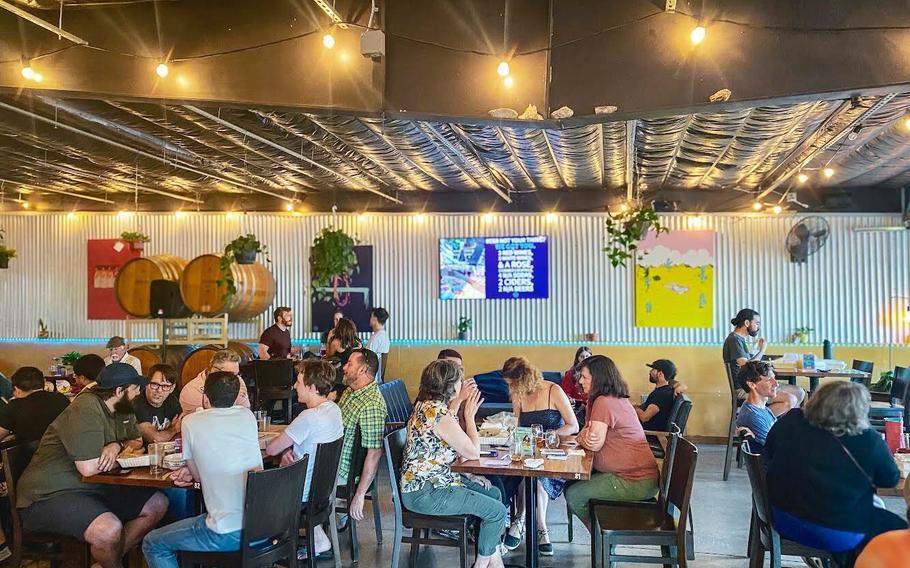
823	460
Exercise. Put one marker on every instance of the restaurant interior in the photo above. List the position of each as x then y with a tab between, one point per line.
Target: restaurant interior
712	198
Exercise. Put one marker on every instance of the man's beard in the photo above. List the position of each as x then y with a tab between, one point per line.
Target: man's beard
123	405
652	380
752	332
348	381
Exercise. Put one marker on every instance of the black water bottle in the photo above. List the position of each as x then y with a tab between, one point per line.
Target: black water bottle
826	350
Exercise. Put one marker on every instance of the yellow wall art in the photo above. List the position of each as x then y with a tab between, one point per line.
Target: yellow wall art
674	280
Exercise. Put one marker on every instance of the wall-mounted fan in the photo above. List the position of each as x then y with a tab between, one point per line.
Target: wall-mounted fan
806	237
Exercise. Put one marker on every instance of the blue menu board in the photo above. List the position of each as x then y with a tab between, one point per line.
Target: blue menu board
494	268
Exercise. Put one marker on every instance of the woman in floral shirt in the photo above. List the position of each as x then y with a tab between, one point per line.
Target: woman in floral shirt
435	440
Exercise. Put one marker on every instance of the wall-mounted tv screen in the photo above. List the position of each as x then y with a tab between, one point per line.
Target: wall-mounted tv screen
492	268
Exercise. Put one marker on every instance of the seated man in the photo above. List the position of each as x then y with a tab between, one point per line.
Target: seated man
85	440
320	423
224	360
654	413
86	369
116	347
221	446
32	409
757	379
157	408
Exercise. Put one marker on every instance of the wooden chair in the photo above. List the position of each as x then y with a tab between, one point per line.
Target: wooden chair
679	416
271	517
319	507
275	382
734	406
763	537
37	546
866	367
344	492
420	525
655	524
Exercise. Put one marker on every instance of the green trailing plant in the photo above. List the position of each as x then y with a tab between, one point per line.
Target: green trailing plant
626	228
70	358
801	334
6	252
242	247
134	237
884	382
332	254
465	324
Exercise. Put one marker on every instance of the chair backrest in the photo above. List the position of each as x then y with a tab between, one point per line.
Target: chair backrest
325	473
394	443
682	477
358	458
271	510
666	470
864	366
899	384
273	374
397	403
682	406
757	479
15	460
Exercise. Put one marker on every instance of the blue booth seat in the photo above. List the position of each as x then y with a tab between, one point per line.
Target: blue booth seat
496	393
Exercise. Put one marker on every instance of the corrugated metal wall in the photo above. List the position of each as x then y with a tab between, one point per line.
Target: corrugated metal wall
844	292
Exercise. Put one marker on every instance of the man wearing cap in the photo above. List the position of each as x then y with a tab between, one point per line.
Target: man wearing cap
116	346
655	411
85	440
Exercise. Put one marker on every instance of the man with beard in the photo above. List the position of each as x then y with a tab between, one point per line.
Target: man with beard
655	411
158	409
275	341
85	440
117	349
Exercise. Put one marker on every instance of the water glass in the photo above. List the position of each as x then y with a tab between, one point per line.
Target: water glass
551	439
154	451
537	432
262	420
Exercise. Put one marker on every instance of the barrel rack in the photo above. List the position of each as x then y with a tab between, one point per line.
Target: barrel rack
182	331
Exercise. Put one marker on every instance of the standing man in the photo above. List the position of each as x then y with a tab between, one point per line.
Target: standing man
361	404
379	341
157	409
116	346
221	447
275	341
192	394
85	440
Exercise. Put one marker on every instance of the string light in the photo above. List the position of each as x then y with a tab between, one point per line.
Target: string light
363	218
802	178
698	35
37	77
488	218
289	207
162	70
25	205
503	69
28	73
328	41
777	209
756	206
828	172
231	215
71	216
907	124
124	214
551	217
420	218
179	214
695	221
508	82
624	208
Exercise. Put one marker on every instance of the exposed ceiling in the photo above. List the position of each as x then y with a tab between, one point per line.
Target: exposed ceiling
53	148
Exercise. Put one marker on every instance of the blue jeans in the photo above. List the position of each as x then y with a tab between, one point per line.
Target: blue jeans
160	546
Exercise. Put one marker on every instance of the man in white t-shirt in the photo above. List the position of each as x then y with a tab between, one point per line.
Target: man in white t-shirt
379	342
320	423
221	446
116	348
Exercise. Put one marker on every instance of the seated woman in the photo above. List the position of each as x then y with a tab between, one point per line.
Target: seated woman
535	401
624	467
823	467
435	440
342	341
569	384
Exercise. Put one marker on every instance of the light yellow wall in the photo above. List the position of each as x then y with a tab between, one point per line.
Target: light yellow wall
699	367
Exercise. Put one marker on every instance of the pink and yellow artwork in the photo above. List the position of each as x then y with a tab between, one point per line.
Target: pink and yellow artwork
674	280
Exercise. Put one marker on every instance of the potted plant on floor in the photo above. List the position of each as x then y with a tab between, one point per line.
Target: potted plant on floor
627	227
242	250
332	255
135	239
464	326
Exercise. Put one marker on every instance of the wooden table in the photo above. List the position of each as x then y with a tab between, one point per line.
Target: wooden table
574	468
137	477
814	375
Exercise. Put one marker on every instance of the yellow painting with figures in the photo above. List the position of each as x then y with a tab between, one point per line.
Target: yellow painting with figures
674	280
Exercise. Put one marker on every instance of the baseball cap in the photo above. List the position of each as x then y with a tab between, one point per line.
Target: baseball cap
666	367
115	341
120	375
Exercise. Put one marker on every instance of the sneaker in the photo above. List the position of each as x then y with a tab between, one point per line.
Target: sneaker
543	543
447	534
813	562
5	553
303	554
514	534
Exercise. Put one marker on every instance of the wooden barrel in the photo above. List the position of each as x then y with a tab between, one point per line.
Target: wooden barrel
135	277
150	356
199	358
202	294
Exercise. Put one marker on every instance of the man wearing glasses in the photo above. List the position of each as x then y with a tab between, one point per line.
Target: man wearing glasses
157	410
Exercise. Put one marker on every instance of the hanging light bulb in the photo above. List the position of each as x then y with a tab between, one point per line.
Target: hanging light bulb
289	207
179	214
71	216
757	206
802	178
37	77
508	82
162	70
420	218
828	172
328	41
488	217
777	209
551	217
28	73
698	35
907	124
503	69
25	205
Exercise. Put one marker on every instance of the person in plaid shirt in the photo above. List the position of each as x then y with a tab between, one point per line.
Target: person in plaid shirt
362	404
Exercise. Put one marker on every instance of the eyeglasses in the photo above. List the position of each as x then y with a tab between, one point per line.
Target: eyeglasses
160	386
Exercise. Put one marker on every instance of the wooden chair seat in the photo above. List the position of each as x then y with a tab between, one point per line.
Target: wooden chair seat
637	517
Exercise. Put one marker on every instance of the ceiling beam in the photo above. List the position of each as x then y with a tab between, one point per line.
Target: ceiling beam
562	178
490	182
515	157
380	136
492	168
42	23
631	127
60	191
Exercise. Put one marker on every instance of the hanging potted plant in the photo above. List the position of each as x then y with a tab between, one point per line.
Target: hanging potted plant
332	255
626	228
242	250
135	239
464	326
6	253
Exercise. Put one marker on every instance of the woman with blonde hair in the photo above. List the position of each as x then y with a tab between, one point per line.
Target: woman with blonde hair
535	401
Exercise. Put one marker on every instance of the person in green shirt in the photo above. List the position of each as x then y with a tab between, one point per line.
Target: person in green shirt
86	440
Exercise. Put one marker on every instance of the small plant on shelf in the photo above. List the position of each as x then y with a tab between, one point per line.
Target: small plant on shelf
464	326
332	255
801	334
70	358
135	239
242	250
626	228
884	382
6	252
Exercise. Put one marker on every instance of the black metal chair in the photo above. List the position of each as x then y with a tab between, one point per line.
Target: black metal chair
866	367
735	402
420	525
271	518
679	416
656	524
398	403
358	458
319	507
763	537
30	545
275	382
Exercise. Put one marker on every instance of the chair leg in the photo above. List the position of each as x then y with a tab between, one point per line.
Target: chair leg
775	551
415	547
666	552
596	544
310	545
463	547
729	443
355	546
569	521
377	514
333	537
396	544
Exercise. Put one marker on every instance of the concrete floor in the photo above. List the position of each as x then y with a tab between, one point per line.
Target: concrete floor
721	516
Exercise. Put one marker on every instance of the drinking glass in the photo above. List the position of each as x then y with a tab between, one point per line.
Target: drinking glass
154	451
262	420
537	432
552	439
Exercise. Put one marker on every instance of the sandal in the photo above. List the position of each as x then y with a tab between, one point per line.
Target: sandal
544	546
514	534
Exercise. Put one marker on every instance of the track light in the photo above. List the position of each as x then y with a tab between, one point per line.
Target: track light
328	41
289	206
802	178
28	73
828	172
777	209
698	35
508	82
161	70
503	69
756	206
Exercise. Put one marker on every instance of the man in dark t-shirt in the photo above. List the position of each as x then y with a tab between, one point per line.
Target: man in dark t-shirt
32	409
275	341
157	409
655	412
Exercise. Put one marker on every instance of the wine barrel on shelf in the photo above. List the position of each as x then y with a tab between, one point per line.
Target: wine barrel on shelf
133	284
199	358
150	356
203	295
